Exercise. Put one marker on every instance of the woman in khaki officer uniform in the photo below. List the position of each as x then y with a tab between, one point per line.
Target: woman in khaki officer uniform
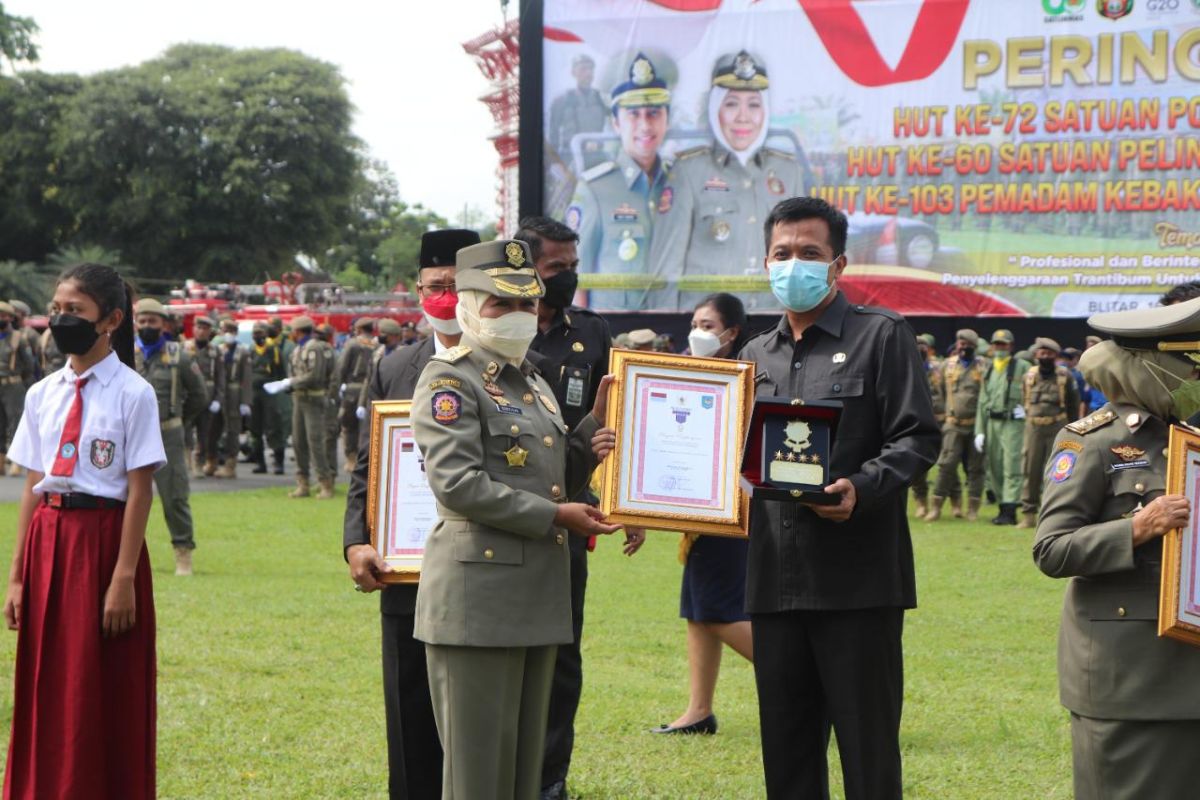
711	215
1135	708
494	600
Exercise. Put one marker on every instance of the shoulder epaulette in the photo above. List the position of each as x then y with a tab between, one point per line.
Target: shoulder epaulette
883	312
779	153
598	170
1092	422
691	152
453	355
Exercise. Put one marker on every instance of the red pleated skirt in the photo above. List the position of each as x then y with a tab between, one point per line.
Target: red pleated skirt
84	708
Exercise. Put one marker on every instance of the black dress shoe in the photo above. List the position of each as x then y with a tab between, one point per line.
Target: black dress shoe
706	727
260	469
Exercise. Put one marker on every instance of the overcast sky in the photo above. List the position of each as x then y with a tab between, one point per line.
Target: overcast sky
415	90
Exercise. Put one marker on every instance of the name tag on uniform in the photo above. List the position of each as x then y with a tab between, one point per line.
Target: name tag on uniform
505	408
577	384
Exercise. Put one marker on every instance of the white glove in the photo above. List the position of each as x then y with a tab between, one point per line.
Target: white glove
214	407
342	391
979	443
275	387
244	410
1019	412
361	412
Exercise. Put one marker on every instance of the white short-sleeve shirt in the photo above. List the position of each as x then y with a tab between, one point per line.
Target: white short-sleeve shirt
119	431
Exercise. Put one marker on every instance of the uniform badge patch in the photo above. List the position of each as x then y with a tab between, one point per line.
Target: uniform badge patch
102	453
1063	466
447	407
453	383
1127	452
625	213
627	250
715	184
774	185
68	450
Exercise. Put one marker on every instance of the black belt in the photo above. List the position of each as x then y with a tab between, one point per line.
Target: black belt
1000	415
77	500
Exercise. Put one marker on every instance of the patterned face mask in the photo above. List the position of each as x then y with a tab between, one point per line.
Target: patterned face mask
1185	398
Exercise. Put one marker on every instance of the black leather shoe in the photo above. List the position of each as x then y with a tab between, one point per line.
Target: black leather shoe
706	727
260	469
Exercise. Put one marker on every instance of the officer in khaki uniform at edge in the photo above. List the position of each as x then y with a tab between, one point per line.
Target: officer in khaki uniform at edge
1132	695
351	379
333	428
494	599
937	391
238	395
203	435
311	369
1000	425
962	379
16	368
390	334
1051	400
181	398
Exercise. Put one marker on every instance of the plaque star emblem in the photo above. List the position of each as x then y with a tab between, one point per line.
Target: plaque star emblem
816	459
779	455
516	455
792	457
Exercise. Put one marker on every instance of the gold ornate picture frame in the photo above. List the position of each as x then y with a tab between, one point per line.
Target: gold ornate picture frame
680	423
401	511
1179	593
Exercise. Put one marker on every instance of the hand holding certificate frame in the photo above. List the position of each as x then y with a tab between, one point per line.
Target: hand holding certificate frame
1179	594
680	423
401	510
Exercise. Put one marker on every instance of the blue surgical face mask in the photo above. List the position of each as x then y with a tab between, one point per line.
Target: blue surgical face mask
799	285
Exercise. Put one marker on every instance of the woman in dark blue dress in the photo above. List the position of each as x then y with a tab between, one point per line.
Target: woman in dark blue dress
713	594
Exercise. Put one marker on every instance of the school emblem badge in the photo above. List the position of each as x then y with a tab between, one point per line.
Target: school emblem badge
102	453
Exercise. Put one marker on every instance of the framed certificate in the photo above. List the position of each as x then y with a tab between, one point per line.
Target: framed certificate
1179	593
401	511
680	423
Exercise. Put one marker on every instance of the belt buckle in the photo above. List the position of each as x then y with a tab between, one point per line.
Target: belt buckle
54	500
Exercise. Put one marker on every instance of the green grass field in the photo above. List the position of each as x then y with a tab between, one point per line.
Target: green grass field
269	681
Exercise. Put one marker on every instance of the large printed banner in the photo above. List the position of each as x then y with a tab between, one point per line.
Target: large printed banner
994	157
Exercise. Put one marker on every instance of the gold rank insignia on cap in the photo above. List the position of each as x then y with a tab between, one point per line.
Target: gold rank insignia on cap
503	268
741	71
642	72
514	254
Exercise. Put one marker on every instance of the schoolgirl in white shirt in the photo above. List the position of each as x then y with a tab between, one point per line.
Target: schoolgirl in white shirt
79	591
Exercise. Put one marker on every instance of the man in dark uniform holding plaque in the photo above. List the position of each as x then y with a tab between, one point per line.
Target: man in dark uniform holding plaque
414	752
573	345
827	586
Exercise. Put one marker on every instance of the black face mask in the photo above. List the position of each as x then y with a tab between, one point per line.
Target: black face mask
149	335
382	339
260	340
3	324
967	353
73	335
561	289
1046	365
201	342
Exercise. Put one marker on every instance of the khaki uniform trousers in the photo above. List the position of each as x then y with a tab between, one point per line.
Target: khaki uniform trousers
350	421
332	429
958	447
308	435
173	487
491	706
1039	441
1117	759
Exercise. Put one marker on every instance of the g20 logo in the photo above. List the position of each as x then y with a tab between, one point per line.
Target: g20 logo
1057	8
